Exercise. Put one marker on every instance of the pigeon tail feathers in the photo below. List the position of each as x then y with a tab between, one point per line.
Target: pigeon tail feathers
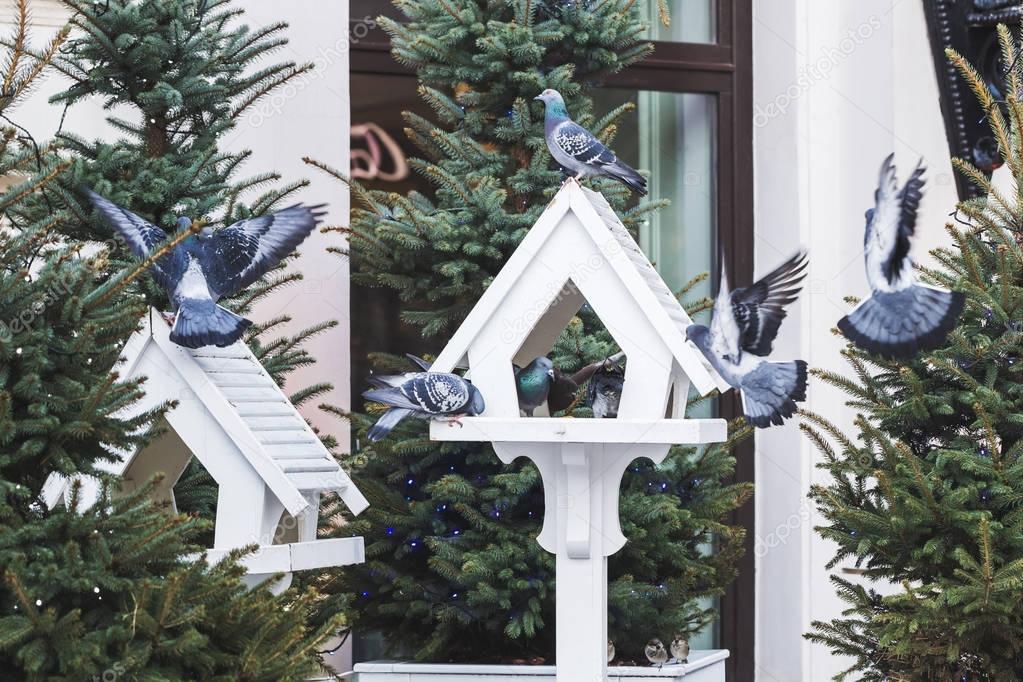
204	323
770	392
628	176
901	324
388	421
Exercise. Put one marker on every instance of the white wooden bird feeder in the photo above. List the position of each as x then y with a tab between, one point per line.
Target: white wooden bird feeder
579	252
270	467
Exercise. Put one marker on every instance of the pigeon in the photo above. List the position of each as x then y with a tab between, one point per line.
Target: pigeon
424	395
211	265
565	388
743	330
680	649
578	151
655	652
902	317
610	650
533	383
605	390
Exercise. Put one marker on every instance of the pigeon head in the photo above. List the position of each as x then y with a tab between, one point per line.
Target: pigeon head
555	104
476	404
183	223
698	334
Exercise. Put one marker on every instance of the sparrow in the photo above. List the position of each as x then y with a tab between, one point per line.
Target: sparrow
656	653
425	395
211	265
578	150
902	317
680	649
533	383
743	330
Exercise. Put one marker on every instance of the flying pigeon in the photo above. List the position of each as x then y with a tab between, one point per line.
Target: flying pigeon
605	391
424	395
743	330
655	652
533	383
901	317
565	388
211	265
578	151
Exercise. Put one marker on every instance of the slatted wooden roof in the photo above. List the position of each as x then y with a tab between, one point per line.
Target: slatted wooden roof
245	401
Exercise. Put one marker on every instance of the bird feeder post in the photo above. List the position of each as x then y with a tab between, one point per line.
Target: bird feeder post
578	252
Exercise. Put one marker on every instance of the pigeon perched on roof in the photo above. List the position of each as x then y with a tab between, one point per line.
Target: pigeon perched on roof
901	317
533	383
743	330
578	150
211	265
425	395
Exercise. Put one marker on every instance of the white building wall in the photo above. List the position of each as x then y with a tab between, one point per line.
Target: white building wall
837	86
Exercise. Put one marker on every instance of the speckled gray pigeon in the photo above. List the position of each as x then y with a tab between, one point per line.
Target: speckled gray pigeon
902	317
425	395
578	150
743	330
211	265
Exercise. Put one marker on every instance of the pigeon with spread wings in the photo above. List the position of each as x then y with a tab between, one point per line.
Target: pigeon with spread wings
902	317
742	332
211	265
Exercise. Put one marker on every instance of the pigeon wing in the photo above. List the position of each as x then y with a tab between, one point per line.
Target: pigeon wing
724	328
759	308
890	227
581	145
142	239
435	392
238	255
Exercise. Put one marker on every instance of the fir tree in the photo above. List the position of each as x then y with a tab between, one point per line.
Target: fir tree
927	495
116	589
453	571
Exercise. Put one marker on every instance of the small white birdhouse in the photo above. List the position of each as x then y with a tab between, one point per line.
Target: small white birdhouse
580	252
270	467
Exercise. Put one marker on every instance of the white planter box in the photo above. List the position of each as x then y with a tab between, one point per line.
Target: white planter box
703	666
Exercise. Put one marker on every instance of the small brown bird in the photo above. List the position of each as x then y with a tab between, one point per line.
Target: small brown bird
610	650
680	649
656	653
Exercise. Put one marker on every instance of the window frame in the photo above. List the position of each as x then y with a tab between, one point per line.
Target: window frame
723	69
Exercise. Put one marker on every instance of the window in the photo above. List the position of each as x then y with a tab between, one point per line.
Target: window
694	133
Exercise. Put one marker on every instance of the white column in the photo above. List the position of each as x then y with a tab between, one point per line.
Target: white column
837	87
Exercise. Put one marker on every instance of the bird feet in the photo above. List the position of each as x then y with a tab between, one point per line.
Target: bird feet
169	318
451	421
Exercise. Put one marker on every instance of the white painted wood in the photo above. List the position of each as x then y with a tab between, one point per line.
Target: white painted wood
579	250
605	247
267	461
569	430
703	666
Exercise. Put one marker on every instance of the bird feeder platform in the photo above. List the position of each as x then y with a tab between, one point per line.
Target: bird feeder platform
580	252
270	467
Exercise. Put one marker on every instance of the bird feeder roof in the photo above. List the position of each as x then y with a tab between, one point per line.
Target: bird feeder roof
242	399
644	284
